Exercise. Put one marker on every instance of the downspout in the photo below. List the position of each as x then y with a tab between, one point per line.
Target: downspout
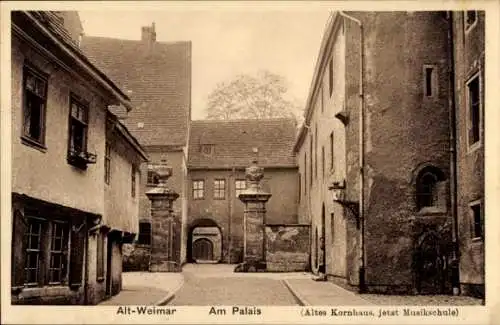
453	159
362	284
230	204
86	268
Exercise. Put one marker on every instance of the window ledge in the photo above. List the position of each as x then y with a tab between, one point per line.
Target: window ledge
432	211
477	240
58	290
33	143
142	245
474	147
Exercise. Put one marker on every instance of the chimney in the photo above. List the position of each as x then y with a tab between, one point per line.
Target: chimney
148	34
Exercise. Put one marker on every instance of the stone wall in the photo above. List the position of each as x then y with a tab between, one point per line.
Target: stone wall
136	257
287	248
165	244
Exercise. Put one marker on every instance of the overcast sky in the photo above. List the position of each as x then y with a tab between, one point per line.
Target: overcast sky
226	43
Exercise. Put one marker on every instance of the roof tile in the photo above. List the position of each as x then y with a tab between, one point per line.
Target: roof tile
233	141
157	78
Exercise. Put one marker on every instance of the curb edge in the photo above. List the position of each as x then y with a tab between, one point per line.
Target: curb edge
171	295
301	300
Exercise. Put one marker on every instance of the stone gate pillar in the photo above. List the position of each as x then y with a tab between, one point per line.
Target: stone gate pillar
254	198
165	226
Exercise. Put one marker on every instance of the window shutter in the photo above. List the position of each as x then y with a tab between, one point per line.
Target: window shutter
78	234
19	226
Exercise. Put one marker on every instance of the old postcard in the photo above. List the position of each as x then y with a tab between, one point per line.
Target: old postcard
250	162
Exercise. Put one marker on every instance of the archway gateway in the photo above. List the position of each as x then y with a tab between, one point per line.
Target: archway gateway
204	242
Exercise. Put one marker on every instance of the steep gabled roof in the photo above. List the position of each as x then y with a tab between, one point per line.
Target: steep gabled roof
233	142
157	77
48	29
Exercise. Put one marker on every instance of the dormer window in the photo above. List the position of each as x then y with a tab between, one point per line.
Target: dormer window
207	149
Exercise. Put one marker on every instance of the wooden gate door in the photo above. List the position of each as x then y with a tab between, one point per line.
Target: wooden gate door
203	249
430	265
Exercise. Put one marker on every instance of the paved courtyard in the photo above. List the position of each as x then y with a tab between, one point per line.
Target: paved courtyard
208	284
217	284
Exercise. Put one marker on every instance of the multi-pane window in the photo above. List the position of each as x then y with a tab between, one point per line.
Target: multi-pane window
431	188
219	188
316	151
323	160
305	173
470	18
198	189
240	185
78	126
300	187
46	252
133	176
332	149
107	163
33	239
426	185
35	101
310	160
321	99
330	76
58	247
474	107
207	149
144	233
477	220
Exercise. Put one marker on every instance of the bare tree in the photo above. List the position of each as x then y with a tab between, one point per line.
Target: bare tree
254	97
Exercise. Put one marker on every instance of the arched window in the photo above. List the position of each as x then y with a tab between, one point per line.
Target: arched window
429	188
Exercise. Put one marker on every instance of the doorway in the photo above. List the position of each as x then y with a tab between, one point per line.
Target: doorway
109	263
431	266
204	242
203	250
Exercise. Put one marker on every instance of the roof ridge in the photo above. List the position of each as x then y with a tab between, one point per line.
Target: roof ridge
136	40
244	120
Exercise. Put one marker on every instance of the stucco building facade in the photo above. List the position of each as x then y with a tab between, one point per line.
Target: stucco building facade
468	30
70	215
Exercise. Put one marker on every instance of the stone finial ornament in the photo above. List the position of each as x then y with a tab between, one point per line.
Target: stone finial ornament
162	173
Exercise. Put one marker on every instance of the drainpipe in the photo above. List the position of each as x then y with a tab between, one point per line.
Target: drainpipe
230	205
453	159
86	270
362	284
